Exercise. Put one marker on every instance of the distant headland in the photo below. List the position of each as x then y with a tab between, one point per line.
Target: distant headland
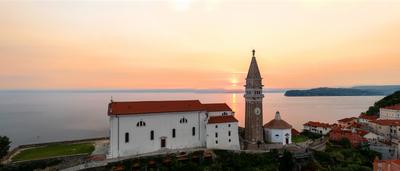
353	91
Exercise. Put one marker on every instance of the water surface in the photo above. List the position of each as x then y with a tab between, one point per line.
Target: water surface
32	117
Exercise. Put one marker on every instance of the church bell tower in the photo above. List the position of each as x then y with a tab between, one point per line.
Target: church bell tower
254	108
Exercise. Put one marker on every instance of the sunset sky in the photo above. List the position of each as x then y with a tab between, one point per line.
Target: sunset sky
198	44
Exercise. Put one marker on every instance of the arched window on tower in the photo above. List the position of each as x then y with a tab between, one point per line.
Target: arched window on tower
151	135
193	131
173	133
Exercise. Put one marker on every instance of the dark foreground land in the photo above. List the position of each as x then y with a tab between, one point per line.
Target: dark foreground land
337	156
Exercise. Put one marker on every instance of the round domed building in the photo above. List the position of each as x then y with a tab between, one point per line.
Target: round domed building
278	131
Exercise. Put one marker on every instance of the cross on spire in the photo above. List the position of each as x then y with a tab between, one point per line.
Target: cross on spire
254	52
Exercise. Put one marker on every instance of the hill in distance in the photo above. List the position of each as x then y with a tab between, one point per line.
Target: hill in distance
352	91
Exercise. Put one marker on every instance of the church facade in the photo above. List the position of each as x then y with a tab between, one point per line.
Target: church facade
149	126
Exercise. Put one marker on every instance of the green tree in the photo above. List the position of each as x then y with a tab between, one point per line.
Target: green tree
4	145
389	100
286	161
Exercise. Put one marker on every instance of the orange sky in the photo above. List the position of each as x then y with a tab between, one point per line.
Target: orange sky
198	44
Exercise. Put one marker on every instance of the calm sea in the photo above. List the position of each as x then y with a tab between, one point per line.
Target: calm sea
32	117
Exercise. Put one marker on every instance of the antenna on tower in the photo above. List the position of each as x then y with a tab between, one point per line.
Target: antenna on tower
254	53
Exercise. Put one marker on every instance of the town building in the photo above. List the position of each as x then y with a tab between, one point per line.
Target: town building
386	129
149	126
356	137
390	112
386	165
295	132
365	119
317	127
278	131
254	95
347	122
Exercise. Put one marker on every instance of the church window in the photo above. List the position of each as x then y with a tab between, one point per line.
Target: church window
193	131
216	142
229	133
224	113
151	135
126	137
277	135
183	120
216	126
140	124
216	135
229	140
229	125
173	133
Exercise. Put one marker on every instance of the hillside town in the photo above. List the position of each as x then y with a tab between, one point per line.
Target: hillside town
381	134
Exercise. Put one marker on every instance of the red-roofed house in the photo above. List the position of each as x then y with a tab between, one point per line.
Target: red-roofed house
146	126
317	127
295	132
355	137
386	128
346	122
386	165
390	112
365	119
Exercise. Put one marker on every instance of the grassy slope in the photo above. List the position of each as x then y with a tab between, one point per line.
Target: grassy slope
299	138
53	151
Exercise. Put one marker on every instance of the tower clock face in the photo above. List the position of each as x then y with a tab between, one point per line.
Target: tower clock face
257	111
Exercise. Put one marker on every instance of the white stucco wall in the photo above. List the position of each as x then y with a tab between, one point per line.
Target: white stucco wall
318	130
225	141
371	137
220	113
278	135
389	114
162	125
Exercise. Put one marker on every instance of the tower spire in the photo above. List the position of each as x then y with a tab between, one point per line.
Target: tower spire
254	72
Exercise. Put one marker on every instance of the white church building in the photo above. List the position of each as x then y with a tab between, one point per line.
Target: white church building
278	131
148	126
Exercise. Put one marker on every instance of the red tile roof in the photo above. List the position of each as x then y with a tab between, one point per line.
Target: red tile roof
215	107
362	132
295	132
387	122
347	119
317	124
394	107
221	119
368	117
359	132
277	124
144	107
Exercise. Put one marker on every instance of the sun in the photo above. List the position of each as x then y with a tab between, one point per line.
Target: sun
234	81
